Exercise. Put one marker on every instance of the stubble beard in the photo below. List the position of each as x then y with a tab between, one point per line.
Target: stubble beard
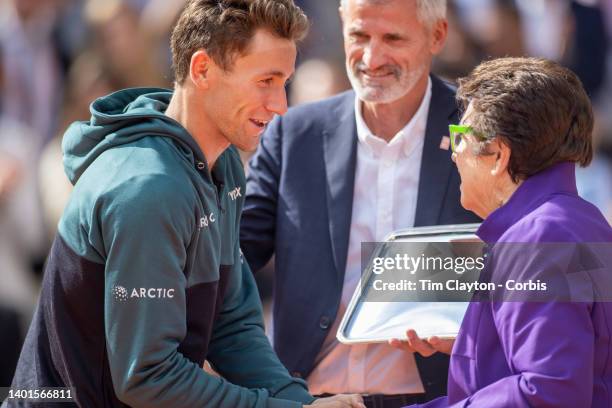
403	84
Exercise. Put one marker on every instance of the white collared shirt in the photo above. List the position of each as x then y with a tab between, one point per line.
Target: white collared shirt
384	200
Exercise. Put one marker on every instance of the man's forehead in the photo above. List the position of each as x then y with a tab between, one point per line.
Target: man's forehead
268	55
361	13
396	4
265	41
367	2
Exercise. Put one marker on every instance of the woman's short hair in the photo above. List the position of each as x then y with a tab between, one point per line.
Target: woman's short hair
536	107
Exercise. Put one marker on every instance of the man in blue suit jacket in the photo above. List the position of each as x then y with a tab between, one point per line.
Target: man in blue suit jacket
309	188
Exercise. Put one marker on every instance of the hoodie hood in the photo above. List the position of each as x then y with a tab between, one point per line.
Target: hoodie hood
120	118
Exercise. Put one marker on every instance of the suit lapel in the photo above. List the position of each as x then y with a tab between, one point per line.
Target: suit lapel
340	151
436	164
340	155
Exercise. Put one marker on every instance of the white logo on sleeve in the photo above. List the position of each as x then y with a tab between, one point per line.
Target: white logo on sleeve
121	294
209	219
234	194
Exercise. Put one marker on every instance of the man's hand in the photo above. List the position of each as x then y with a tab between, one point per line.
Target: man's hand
424	347
339	401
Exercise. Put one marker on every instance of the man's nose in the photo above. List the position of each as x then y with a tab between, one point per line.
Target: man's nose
373	55
277	102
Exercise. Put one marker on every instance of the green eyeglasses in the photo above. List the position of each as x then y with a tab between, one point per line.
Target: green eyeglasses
457	133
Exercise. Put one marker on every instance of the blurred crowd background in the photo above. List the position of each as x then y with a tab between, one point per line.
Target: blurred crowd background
56	56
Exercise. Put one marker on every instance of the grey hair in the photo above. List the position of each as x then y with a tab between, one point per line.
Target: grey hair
428	11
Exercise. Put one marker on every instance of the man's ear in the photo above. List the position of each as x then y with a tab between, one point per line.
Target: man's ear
439	32
199	69
502	157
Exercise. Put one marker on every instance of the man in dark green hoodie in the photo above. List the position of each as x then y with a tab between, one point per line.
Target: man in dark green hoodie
145	280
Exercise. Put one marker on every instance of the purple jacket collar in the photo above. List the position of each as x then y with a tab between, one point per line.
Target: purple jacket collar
559	178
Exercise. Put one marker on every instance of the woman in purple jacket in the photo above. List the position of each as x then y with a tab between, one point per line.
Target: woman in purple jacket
527	122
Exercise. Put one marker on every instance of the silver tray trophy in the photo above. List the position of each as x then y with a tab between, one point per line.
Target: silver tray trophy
367	321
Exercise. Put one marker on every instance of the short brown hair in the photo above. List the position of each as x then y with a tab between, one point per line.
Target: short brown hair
224	29
535	106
